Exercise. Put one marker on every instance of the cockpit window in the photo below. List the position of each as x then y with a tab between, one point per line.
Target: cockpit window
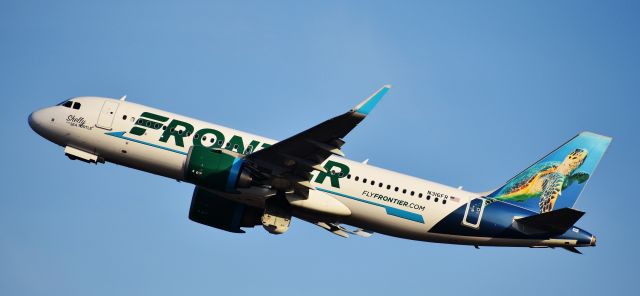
70	104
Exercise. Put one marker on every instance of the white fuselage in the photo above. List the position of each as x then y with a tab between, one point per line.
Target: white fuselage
379	200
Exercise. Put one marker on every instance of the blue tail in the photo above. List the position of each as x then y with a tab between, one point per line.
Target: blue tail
556	181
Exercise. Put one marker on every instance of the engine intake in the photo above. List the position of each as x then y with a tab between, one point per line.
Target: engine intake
216	169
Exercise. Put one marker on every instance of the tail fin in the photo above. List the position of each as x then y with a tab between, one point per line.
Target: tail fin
556	181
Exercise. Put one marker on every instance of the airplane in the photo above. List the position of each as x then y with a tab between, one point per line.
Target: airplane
244	180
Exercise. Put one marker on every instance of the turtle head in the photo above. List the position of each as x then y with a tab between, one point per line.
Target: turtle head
574	160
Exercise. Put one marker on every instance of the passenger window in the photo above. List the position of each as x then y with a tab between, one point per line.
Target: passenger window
364	180
67	104
76	105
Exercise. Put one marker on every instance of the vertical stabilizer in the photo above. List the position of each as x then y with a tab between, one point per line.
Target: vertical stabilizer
556	181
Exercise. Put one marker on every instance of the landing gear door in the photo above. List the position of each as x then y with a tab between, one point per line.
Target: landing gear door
473	214
107	113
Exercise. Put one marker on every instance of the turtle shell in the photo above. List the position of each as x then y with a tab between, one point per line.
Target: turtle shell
523	179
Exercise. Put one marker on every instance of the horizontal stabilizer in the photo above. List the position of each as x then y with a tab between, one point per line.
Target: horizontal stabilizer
554	222
572	250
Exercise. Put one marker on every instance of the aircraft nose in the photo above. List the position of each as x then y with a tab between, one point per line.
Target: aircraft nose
37	121
593	241
31	122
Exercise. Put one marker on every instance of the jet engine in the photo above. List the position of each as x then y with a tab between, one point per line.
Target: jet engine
216	169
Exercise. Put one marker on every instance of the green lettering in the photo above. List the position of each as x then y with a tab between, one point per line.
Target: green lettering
333	174
145	121
236	143
252	147
177	133
217	140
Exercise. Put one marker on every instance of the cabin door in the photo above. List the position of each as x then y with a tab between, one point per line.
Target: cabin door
107	113
473	215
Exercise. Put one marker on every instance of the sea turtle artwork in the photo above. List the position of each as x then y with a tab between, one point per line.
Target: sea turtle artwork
546	180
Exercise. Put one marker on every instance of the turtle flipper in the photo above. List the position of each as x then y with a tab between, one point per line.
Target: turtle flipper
551	189
579	177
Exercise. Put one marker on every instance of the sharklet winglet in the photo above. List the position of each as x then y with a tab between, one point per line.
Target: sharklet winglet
367	105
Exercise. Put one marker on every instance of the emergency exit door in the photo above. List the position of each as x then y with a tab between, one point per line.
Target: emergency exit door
107	113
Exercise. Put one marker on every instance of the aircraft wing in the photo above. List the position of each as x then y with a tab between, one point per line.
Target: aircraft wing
292	160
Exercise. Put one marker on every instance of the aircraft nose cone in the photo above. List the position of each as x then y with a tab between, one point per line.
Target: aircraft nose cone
31	122
593	241
37	121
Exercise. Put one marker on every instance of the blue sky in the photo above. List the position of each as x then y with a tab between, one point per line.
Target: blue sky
481	90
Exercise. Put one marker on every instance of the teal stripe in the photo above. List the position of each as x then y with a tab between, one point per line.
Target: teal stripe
390	210
121	136
368	106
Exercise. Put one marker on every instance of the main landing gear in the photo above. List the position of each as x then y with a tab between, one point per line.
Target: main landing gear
277	214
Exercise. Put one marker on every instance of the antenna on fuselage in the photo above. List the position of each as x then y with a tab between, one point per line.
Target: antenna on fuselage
123	98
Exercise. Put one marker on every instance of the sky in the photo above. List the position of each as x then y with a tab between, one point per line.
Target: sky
481	89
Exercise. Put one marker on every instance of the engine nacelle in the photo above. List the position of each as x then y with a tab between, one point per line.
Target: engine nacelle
215	169
209	209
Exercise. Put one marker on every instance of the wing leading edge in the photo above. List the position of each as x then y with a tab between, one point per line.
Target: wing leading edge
289	163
